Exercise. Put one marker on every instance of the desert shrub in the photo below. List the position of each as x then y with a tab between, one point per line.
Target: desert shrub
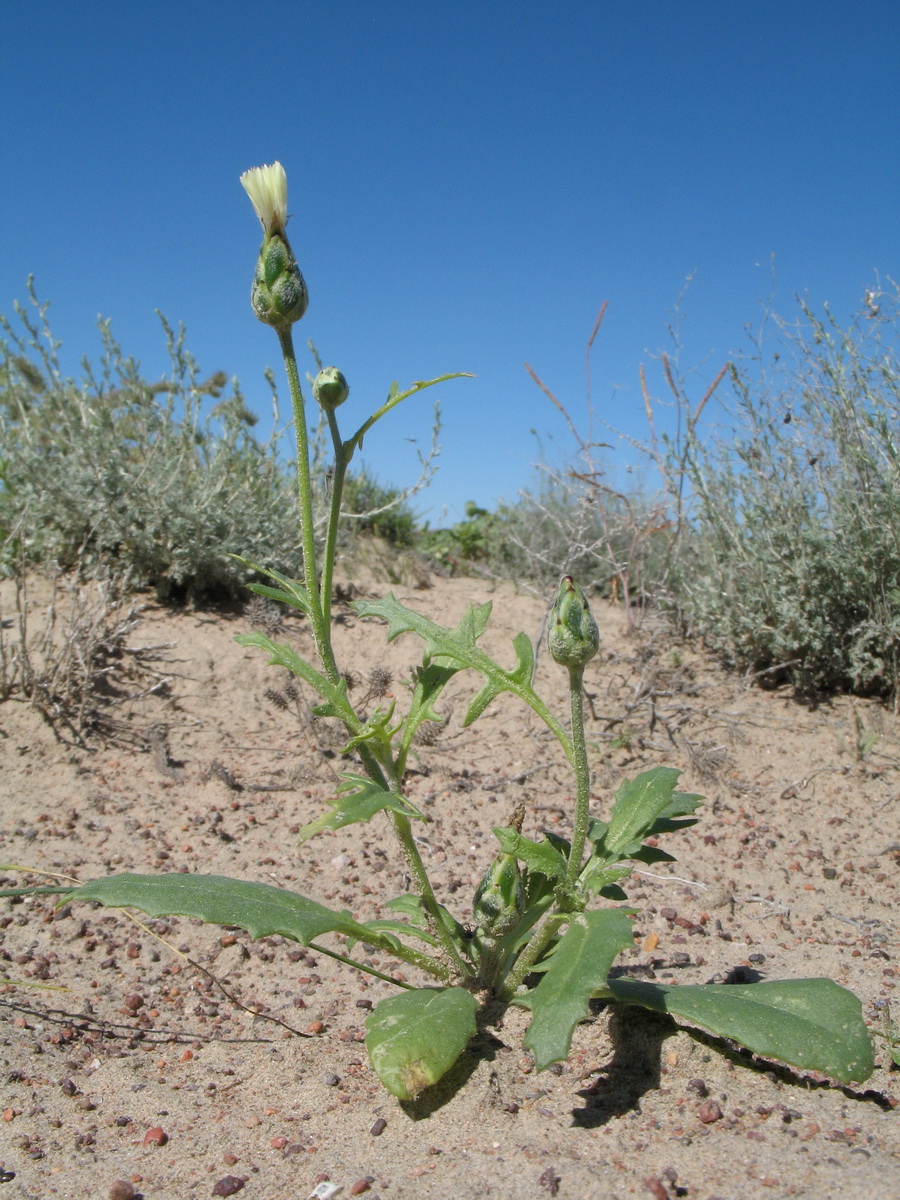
479	544
157	484
380	510
568	525
791	560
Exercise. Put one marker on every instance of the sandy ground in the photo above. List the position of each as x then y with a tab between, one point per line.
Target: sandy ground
186	1061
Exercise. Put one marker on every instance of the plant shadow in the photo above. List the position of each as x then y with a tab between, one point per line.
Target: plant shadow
637	1036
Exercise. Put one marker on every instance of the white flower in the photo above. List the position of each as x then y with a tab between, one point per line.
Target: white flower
267	188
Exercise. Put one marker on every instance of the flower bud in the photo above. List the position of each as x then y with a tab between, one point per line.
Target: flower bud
278	296
500	897
330	388
573	636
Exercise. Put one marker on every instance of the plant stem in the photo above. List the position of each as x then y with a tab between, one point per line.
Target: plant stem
582	777
341	462
320	611
307	528
352	962
532	952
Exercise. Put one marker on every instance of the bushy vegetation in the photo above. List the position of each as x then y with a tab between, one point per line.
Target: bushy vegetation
790	562
774	534
155	484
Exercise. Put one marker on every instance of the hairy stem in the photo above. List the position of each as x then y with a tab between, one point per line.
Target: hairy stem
307	529
341	462
582	777
532	952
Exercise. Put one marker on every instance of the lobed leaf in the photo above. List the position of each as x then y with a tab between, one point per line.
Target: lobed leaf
542	857
813	1024
360	800
415	1038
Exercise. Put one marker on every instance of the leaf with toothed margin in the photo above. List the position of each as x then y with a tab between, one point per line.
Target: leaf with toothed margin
281	655
814	1024
259	908
358	799
458	646
579	966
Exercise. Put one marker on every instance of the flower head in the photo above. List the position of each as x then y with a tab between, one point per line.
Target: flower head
278	296
267	189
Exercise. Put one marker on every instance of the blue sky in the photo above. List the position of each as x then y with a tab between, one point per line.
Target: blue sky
468	183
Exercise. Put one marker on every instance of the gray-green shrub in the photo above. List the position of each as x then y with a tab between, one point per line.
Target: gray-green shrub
792	548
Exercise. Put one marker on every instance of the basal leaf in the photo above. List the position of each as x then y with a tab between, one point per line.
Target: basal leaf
259	908
578	968
415	1038
813	1024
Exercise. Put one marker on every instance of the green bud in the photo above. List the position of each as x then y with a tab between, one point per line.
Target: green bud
573	636
330	388
278	295
500	897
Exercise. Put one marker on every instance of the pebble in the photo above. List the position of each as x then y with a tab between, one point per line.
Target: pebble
379	1127
698	1086
122	1190
228	1185
709	1111
362	1185
155	1136
332	1080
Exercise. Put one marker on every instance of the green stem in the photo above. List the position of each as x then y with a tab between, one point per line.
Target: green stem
307	528
532	952
320	610
582	777
341	462
433	968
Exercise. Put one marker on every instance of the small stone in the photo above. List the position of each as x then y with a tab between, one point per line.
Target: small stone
709	1111
155	1136
379	1127
362	1185
332	1080
698	1086
228	1185
122	1190
229	1159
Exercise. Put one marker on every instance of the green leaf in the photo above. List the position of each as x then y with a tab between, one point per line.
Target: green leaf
259	908
415	1038
458	646
640	804
284	656
596	876
360	800
289	591
412	907
542	857
813	1024
430	682
578	968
